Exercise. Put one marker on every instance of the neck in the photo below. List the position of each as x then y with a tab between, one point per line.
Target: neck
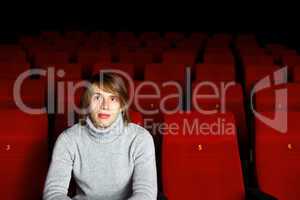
106	134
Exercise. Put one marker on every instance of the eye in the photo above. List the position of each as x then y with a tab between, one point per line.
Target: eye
113	98
98	97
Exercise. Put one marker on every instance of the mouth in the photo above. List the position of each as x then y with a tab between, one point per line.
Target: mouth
103	116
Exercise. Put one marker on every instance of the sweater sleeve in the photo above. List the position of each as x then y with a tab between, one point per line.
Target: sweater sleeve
144	185
60	170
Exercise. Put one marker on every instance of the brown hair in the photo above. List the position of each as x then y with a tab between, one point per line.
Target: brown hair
109	82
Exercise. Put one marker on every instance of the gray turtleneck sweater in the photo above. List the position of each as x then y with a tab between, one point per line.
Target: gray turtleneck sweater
115	163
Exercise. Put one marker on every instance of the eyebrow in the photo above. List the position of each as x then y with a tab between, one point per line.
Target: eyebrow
98	93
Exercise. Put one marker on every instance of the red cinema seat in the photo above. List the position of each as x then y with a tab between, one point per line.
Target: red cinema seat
222	37
66	72
140	58
92	57
180	57
201	162
216	43
126	68
151	95
267	100
68	98
290	58
277	160
42	58
215	72
165	72
223	98
126	39
296	74
23	155
153	100
158	44
12	54
190	44
136	117
262	60
276	50
31	93
199	35
218	50
12	70
254	73
219	58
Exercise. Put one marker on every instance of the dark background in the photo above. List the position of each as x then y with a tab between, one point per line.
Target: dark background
270	24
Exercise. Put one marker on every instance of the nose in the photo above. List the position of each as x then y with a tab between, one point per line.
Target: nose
104	104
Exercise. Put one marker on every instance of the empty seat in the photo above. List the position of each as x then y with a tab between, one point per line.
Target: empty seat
296	74
153	100
136	117
190	44
187	57
92	57
223	98
159	43
290	58
215	72
23	154
199	161
165	72
12	70
31	93
268	100
12	54
276	50
215	43
67	98
277	157
150	96
219	58
254	73
139	58
249	52
50	58
67	45
67	72
126	68
257	59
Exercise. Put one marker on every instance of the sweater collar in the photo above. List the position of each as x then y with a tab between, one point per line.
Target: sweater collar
108	134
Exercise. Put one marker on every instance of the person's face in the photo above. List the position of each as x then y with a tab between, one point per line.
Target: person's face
104	107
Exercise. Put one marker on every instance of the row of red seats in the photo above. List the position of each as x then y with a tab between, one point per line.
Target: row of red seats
204	72
199	162
24	153
208	166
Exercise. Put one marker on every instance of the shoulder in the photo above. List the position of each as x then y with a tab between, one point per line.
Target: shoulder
74	131
142	139
71	134
139	132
